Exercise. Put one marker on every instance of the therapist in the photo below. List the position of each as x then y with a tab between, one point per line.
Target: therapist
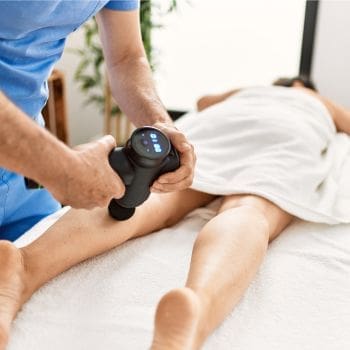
32	38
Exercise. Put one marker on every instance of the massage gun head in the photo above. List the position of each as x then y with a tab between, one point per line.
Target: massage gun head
119	212
147	155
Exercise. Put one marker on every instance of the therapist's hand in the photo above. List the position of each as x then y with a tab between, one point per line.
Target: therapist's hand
181	178
90	181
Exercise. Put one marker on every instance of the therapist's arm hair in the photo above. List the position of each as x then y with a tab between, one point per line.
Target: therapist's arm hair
80	177
128	69
25	147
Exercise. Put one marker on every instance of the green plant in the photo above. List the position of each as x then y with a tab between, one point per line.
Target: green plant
90	73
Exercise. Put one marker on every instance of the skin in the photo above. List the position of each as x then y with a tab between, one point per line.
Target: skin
226	256
125	57
34	152
81	177
210	100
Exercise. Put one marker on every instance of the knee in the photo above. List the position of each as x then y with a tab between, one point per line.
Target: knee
166	214
171	219
254	222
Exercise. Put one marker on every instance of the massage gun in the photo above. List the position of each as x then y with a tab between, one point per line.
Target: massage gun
147	154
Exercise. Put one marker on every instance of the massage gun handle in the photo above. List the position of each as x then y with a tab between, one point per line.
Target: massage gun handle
139	190
138	179
120	163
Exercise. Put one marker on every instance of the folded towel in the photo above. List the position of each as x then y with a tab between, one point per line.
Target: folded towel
276	142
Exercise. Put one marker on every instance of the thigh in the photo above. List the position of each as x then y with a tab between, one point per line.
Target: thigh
277	218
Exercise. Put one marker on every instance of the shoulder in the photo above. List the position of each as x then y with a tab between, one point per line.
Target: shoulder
330	106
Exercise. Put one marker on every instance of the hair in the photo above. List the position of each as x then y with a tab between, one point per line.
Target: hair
288	82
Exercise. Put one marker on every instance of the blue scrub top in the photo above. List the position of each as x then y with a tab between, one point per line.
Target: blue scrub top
32	39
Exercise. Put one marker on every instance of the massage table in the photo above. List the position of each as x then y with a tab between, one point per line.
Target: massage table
300	298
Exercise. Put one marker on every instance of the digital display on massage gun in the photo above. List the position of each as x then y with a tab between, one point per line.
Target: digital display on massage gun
152	142
147	155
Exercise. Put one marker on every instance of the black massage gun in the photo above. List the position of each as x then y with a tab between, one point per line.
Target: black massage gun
147	155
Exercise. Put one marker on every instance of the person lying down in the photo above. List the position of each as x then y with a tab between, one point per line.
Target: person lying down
266	151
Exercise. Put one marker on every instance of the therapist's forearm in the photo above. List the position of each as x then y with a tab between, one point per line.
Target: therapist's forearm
133	89
28	149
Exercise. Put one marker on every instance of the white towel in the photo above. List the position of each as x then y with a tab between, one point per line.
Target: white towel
298	300
276	142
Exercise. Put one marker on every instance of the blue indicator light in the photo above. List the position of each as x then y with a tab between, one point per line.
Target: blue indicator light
153	136
157	148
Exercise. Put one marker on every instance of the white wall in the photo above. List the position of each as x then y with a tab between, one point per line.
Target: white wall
207	46
331	59
210	46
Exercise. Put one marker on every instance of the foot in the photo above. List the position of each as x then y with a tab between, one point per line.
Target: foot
12	287
177	321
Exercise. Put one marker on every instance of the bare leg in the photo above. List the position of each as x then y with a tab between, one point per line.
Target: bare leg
77	236
226	256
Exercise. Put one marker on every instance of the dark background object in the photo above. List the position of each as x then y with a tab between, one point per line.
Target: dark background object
55	110
175	114
307	48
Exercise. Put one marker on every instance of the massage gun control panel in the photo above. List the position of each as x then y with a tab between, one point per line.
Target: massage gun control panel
147	155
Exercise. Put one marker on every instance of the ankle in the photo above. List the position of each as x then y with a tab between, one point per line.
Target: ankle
30	275
4	336
203	328
204	300
13	285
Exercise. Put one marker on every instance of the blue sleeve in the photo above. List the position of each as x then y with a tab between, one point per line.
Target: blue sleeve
123	5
